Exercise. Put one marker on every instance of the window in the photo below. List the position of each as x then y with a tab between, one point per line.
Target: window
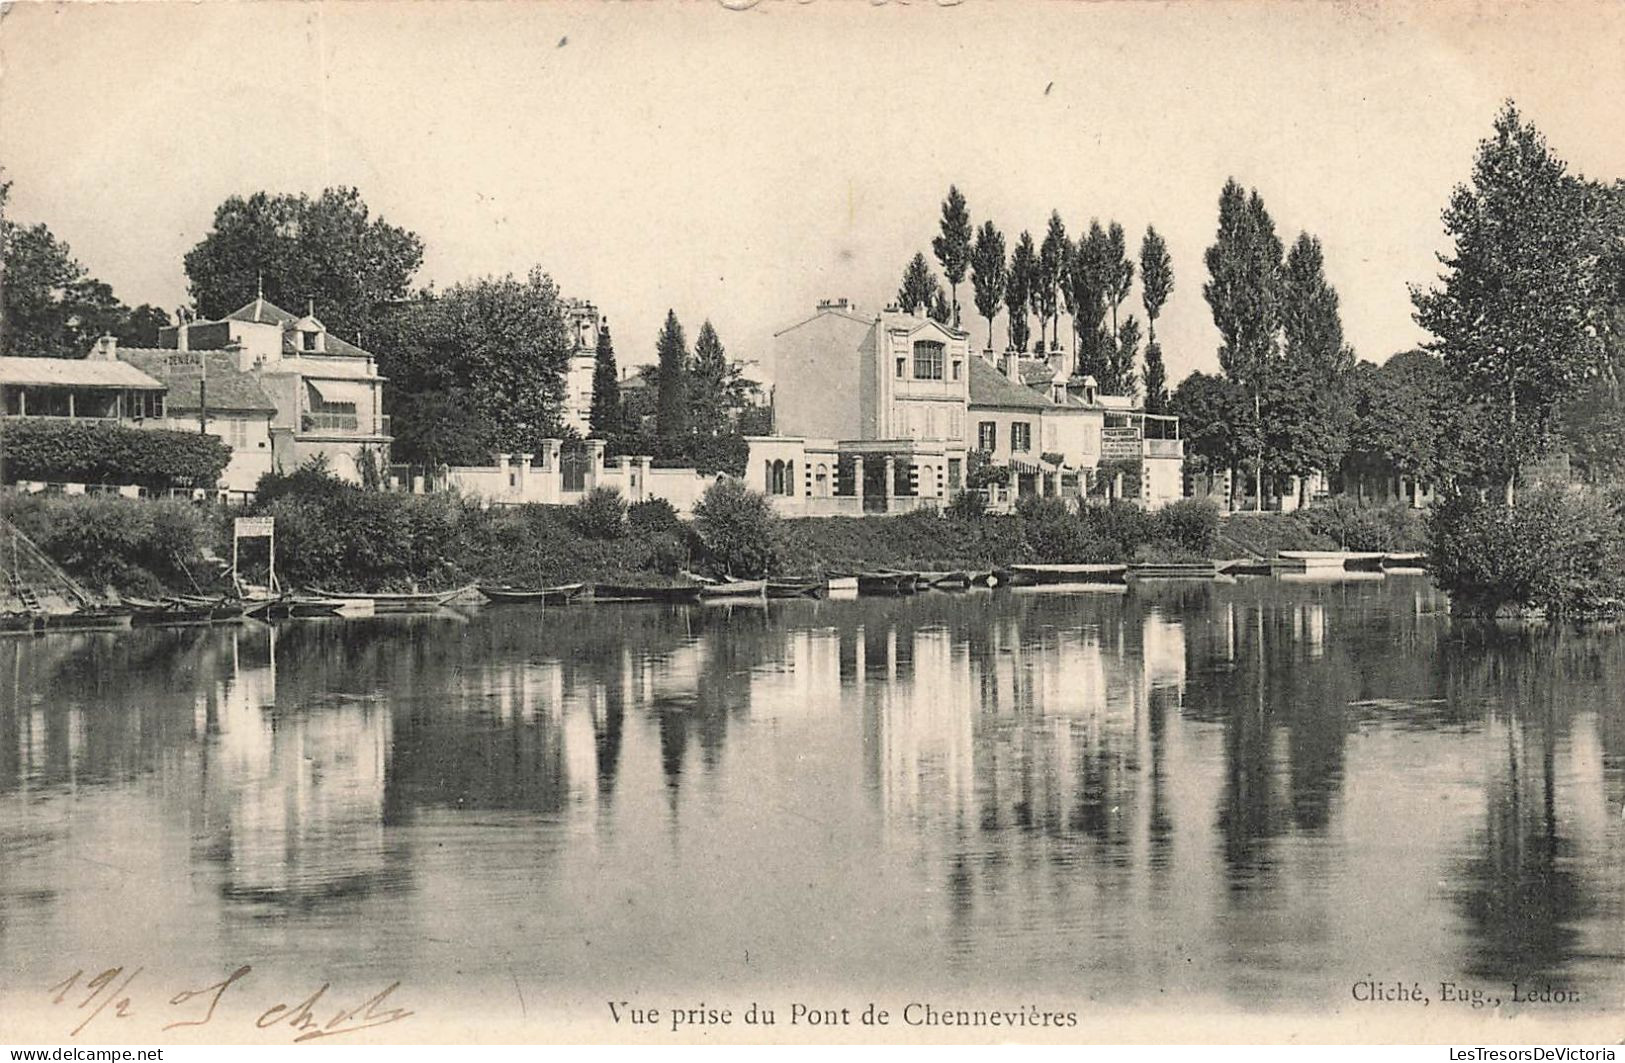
987	436
927	360
1021	436
902	368
957	364
310	341
953	474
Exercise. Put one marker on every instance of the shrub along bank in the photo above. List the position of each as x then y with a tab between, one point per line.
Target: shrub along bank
1558	552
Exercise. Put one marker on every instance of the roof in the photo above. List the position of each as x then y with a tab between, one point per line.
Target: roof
827	312
74	372
1036	371
989	387
323	367
229	387
332	346
261	312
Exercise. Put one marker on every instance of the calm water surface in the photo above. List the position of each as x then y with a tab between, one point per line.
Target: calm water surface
1251	794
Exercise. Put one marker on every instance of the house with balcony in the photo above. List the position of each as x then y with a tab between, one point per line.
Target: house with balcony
326	392
869	412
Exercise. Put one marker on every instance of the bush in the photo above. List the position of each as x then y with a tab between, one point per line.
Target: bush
655	516
967	505
134	546
1053	533
1189	524
1394	526
736	528
1119	526
68	452
601	514
1555	551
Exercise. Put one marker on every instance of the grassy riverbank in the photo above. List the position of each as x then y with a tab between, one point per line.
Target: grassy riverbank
338	536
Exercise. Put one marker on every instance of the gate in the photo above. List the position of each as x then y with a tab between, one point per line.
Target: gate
573	466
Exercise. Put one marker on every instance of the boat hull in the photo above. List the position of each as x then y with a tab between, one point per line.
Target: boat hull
562	595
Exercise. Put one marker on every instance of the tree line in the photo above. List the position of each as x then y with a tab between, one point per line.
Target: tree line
1088	279
471	370
1526	317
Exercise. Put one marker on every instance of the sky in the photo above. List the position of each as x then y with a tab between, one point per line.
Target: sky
740	162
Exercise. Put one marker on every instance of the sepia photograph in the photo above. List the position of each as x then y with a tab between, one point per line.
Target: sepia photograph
811	521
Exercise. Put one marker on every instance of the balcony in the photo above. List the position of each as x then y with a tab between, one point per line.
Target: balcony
347	424
1165	448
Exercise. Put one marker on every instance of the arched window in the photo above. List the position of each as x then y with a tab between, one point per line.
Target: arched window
789	477
821	481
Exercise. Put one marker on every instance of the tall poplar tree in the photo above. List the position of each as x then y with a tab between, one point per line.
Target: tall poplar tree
1244	292
1018	290
953	246
989	274
1052	259
1156	285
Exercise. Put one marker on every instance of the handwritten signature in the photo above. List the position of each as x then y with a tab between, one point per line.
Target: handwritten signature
108	995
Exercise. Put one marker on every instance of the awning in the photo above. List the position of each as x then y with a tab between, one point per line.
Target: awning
341	392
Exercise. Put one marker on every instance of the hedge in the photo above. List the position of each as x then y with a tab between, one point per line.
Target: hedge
69	452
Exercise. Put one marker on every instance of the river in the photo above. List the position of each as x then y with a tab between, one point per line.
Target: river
1254	796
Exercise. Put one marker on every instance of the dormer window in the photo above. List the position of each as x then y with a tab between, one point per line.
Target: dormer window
310	340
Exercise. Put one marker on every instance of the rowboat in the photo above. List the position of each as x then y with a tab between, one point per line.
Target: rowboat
89	618
394	602
174	612
791	588
1086	573
887	583
621	592
945	581
1301	561
739	588
1174	570
560	595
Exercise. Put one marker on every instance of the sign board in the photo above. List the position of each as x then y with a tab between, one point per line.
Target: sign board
249	527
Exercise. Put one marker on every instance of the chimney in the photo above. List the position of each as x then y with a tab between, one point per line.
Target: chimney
106	349
1007	363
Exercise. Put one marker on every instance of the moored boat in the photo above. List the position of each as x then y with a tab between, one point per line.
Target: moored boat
797	588
393	602
188	611
739	588
625	592
886	583
945	581
560	595
1028	574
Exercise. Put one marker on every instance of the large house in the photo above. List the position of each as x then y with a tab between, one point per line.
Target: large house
279	390
326	392
883	413
585	322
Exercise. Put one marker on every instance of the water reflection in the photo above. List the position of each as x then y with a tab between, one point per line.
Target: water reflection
1253	793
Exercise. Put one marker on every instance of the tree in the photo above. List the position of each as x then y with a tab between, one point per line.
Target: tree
604	419
1052	259
1156	285
672	409
737	529
1244	293
297	250
1307	406
1018	290
989	274
1119	379
1217	421
718	388
51	305
483	361
953	246
919	285
939	310
1516	314
1090	277
141	326
1119	271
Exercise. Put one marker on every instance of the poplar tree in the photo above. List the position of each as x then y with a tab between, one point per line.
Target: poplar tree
919	285
1045	296
953	246
1018	290
1156	285
989	274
